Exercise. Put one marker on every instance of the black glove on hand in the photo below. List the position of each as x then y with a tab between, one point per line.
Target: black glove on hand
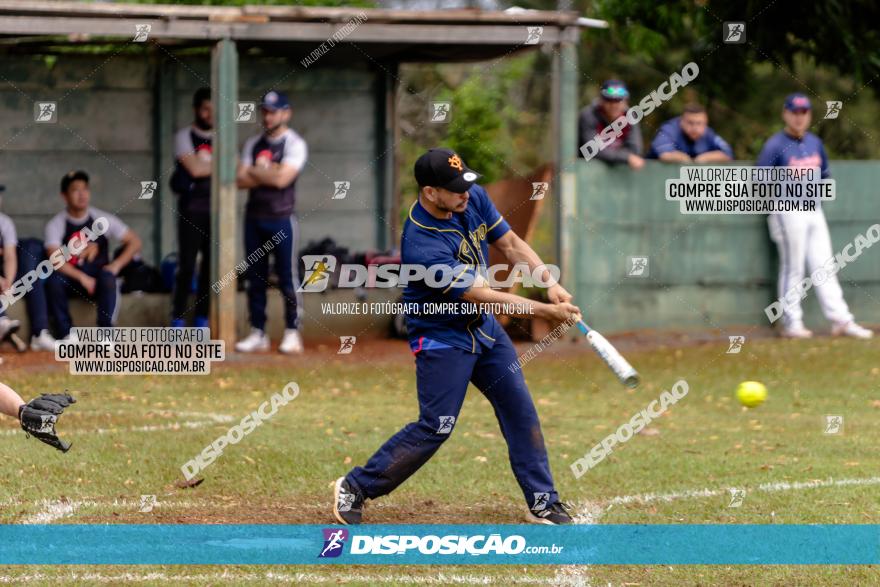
38	417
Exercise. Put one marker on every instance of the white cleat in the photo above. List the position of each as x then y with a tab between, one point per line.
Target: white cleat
8	326
796	331
851	329
292	343
43	342
257	340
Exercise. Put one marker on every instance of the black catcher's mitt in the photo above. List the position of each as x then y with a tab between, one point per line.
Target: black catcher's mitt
38	417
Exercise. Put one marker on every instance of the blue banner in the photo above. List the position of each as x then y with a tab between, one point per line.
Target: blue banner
440	544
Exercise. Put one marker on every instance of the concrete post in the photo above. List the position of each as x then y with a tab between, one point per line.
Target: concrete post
224	96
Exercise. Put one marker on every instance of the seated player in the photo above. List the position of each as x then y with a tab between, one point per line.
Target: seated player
18	257
91	274
38	416
689	139
8	269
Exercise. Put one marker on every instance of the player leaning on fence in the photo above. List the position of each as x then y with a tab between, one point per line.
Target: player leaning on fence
452	224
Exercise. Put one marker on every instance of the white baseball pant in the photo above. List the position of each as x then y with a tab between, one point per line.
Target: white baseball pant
804	242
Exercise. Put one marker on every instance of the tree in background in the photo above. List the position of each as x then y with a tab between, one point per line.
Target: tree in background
829	50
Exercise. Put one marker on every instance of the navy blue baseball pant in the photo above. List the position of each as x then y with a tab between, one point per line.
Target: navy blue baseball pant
31	253
106	296
259	244
442	377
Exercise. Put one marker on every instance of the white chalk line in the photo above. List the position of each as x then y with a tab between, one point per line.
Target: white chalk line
274	576
646	498
202	419
52	510
585	512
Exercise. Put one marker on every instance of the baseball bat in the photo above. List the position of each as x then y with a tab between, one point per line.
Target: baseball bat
606	351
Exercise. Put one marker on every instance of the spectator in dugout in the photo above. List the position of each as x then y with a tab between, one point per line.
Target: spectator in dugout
689	139
91	274
269	167
17	258
8	269
191	181
612	103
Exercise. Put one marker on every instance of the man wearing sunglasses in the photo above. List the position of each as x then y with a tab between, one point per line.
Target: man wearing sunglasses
612	102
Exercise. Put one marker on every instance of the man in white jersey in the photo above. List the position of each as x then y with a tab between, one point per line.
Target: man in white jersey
802	237
91	274
191	181
270	165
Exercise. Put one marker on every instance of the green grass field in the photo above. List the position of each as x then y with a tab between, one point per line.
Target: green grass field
132	434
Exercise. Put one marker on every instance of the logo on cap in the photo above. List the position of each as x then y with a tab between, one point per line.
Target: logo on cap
455	163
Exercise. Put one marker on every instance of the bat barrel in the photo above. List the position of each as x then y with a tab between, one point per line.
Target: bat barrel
631	381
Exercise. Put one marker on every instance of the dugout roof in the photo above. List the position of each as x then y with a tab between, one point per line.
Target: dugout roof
396	35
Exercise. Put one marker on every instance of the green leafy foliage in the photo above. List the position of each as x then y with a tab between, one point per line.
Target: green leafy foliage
827	50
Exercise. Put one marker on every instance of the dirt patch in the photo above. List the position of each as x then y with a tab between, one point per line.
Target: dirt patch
30	360
418	511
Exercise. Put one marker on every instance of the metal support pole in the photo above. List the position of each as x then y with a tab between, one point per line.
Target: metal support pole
566	110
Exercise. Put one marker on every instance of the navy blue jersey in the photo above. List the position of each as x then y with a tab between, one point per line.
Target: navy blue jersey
461	243
670	137
269	203
74	229
782	150
194	192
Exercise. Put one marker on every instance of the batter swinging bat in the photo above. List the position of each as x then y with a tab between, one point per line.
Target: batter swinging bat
609	354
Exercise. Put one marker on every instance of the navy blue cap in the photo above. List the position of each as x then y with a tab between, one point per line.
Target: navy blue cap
797	102
443	168
273	100
614	89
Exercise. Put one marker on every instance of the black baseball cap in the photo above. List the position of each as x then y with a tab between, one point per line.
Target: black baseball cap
72	176
444	168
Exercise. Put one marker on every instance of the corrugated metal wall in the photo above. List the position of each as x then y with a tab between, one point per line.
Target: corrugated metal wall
111	123
704	270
